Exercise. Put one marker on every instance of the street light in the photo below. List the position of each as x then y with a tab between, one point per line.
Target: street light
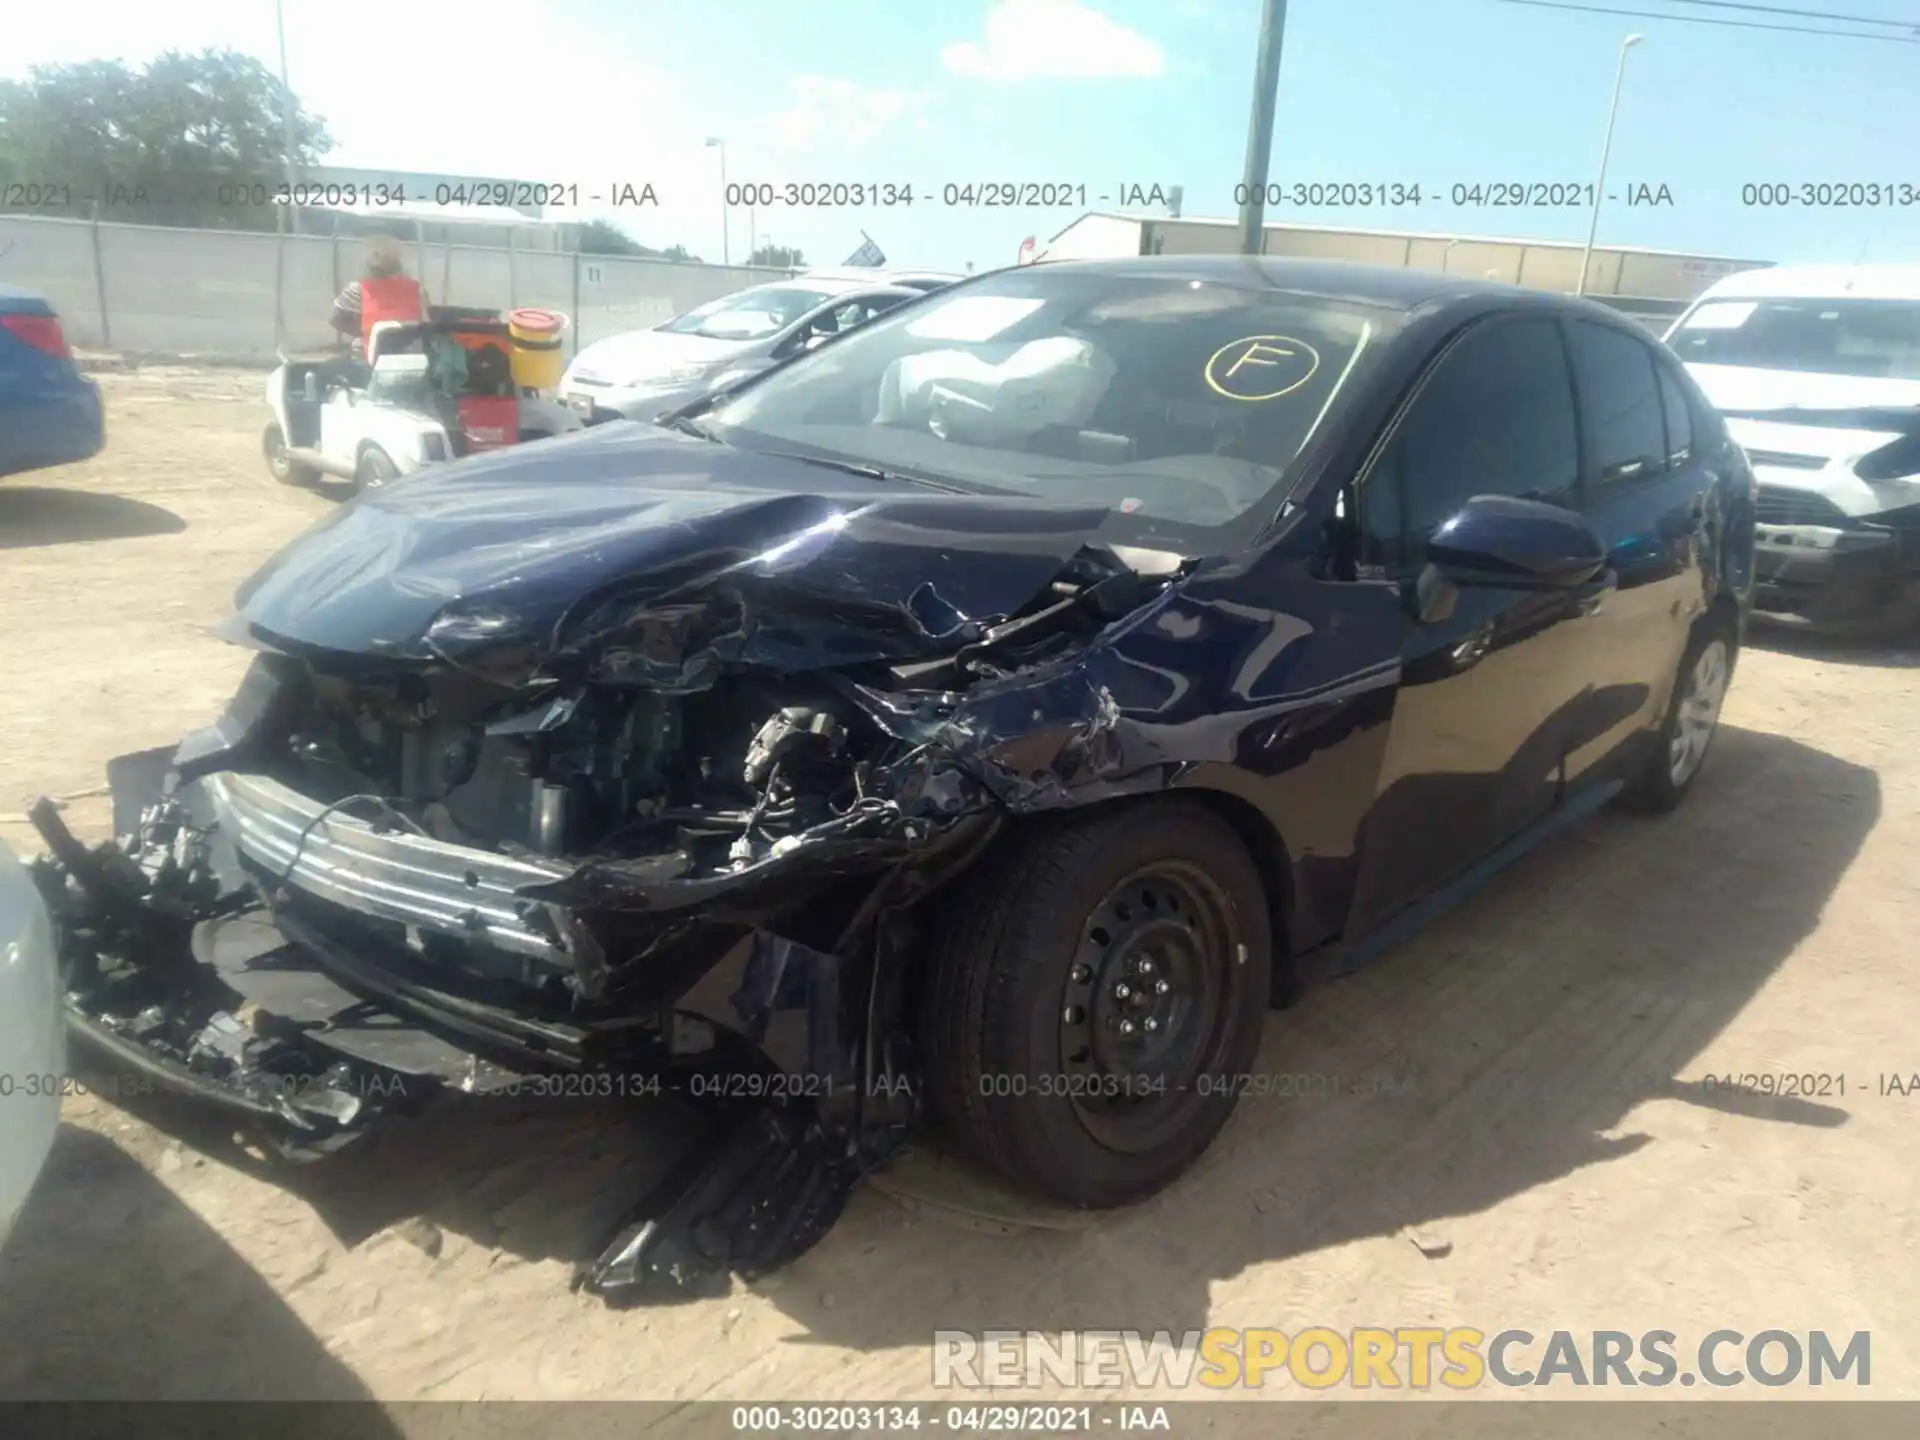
1266	86
286	111
1606	147
715	142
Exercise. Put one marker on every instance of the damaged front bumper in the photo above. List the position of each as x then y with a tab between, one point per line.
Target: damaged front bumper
1830	575
292	965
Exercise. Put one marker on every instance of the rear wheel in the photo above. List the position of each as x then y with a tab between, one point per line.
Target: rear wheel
1693	716
375	468
280	461
1098	985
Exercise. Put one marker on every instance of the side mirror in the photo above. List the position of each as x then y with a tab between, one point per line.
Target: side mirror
1500	542
1504	543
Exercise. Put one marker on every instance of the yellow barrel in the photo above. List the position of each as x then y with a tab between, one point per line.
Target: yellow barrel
537	359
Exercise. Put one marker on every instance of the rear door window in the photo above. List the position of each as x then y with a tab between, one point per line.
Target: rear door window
1673	401
1620	402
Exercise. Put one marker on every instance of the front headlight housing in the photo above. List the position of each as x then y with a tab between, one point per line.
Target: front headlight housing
680	373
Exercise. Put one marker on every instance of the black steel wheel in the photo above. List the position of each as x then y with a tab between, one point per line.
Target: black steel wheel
1098	984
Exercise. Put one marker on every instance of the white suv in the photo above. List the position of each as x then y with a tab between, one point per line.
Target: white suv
1817	369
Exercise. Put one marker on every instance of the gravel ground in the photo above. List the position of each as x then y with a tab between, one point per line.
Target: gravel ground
1547	1140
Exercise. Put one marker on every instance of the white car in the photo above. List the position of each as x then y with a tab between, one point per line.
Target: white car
645	373
32	1038
1817	369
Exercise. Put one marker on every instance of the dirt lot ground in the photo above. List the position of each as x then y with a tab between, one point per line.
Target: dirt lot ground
1547	1040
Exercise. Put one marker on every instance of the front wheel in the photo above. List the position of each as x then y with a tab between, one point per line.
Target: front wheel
1693	717
1095	989
375	468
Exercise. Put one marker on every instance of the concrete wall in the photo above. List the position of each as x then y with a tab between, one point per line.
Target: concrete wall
1536	264
143	287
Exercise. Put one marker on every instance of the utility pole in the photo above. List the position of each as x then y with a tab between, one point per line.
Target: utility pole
286	109
715	142
1606	150
1266	85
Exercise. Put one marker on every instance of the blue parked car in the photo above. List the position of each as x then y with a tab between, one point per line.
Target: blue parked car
49	412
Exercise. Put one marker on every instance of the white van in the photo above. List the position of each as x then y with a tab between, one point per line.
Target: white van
1817	369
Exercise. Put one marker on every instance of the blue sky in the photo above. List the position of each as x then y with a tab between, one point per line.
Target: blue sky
1093	92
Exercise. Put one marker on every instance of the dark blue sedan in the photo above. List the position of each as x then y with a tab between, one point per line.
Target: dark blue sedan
989	715
49	412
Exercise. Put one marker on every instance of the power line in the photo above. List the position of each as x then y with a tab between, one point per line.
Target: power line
1800	14
1704	20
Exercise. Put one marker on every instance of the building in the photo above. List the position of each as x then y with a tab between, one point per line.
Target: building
1652	285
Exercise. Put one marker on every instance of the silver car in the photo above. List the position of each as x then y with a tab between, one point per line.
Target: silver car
645	373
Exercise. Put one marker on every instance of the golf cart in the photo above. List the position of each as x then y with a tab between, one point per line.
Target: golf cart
458	383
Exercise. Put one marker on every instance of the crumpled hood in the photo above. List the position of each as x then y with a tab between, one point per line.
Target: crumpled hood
652	557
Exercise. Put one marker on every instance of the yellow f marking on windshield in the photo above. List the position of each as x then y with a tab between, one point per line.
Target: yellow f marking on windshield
1261	367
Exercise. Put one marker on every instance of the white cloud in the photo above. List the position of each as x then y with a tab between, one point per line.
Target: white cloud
615	115
1049	39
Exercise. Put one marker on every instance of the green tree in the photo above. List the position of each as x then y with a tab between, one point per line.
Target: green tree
603	237
778	257
190	139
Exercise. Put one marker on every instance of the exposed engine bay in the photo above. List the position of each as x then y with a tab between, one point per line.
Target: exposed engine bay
373	880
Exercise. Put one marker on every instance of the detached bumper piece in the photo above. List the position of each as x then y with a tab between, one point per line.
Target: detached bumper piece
239	949
763	1194
182	981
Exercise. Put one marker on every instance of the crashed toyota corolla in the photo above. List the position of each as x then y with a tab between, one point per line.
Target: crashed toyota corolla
987	715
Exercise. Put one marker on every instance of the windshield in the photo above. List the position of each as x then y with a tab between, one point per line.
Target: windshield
750	315
1165	398
1878	338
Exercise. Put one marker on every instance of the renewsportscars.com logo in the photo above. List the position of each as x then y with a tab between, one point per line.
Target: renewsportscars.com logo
1411	1357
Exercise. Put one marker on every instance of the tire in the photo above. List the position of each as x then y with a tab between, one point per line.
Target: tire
1667	778
1021	1017
374	469
281	465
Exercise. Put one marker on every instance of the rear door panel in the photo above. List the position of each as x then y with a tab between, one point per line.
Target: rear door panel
1646	493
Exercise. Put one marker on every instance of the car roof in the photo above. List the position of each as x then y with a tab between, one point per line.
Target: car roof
1391	286
825	284
18	300
880	276
904	291
1820	282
